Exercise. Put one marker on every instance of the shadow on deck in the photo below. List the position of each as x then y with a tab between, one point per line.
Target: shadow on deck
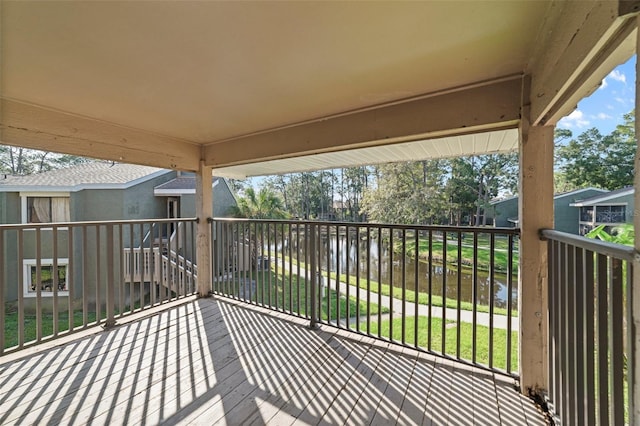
210	361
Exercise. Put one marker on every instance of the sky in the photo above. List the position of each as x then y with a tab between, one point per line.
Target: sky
606	106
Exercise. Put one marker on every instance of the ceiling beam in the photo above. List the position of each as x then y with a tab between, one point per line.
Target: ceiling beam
36	127
485	106
580	44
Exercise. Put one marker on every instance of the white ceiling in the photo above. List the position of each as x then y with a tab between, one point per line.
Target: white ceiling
500	141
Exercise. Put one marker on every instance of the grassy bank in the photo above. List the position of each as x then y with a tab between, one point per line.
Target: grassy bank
277	290
422	297
466	339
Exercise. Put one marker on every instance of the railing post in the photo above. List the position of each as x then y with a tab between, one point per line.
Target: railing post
110	279
314	278
634	293
204	210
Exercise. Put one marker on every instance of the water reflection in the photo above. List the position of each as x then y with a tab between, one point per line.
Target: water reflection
371	257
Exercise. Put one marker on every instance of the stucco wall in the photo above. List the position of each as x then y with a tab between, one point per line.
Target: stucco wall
505	210
222	200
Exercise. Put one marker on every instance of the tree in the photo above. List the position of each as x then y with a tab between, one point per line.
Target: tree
602	161
409	193
262	205
22	161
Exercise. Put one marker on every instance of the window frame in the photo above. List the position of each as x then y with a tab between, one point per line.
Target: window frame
27	264
24	211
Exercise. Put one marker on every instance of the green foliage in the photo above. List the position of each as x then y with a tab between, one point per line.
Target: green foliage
593	159
307	195
265	204
453	191
409	193
623	234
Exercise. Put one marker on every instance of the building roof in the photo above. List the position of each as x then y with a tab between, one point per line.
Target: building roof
181	185
598	199
96	175
556	196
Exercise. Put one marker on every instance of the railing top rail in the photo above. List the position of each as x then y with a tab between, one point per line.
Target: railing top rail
90	223
439	228
597	246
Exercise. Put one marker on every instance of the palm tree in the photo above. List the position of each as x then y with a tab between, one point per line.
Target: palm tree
265	204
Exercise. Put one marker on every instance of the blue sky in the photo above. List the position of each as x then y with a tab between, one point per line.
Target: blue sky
606	106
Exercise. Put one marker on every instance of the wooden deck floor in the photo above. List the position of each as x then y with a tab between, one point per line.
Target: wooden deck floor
211	361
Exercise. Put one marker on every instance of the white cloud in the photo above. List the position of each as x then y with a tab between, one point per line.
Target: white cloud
574	120
602	116
621	100
618	76
609	106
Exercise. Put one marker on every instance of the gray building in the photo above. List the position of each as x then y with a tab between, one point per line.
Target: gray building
611	209
566	216
96	191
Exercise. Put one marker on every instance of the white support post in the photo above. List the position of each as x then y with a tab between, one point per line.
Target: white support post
204	211
634	333
535	213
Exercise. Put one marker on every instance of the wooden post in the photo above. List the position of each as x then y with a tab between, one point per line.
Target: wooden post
535	213
204	211
634	332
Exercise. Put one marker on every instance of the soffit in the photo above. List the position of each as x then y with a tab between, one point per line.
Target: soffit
493	142
211	71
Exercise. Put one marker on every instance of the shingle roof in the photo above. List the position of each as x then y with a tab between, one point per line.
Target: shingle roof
604	197
94	173
186	182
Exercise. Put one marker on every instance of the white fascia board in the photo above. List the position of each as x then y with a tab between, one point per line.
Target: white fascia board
178	192
577	191
603	198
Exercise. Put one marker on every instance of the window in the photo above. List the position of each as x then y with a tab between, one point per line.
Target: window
610	214
586	214
47	209
48	277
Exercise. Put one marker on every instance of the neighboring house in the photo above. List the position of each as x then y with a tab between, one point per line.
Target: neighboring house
95	191
612	209
566	217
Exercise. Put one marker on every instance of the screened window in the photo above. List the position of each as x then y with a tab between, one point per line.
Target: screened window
47	209
610	214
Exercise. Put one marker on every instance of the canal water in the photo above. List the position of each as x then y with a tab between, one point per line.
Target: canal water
373	260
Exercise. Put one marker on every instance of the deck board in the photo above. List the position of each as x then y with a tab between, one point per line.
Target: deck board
214	361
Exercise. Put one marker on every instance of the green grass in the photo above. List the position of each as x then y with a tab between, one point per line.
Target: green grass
466	339
280	294
500	254
11	325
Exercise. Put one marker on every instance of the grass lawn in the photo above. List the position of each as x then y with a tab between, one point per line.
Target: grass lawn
466	339
11	325
279	291
500	253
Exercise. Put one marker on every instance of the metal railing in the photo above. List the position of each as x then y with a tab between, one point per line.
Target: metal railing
446	290
57	278
590	359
